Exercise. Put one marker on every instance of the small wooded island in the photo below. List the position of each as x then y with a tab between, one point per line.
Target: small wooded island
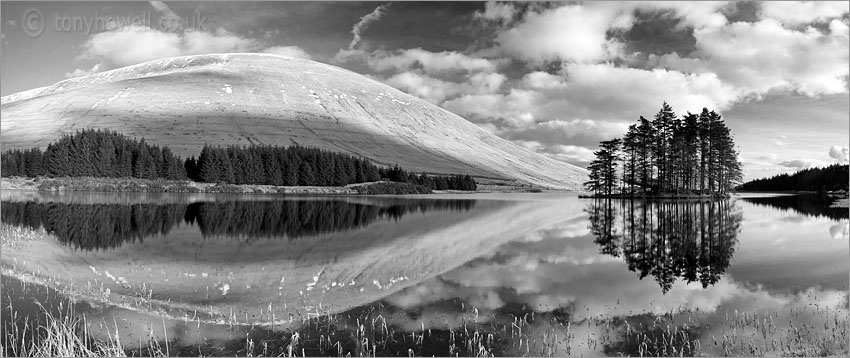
668	157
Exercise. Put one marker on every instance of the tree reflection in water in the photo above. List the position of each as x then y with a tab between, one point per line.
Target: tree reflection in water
105	226
691	240
813	205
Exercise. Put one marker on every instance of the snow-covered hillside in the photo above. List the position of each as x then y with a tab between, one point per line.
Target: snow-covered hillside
223	99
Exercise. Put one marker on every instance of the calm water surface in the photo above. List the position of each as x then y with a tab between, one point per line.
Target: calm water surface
439	275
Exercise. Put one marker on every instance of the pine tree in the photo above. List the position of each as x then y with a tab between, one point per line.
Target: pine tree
210	172
694	154
663	124
306	177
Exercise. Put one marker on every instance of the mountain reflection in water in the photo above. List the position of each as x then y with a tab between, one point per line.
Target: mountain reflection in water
691	240
105	226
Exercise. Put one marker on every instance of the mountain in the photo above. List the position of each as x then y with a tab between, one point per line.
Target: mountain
243	99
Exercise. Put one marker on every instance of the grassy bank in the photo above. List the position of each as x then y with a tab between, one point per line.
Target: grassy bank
374	331
187	186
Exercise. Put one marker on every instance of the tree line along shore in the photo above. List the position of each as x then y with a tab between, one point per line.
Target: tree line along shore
96	154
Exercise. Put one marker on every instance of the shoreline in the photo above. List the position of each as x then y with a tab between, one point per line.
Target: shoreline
92	184
657	197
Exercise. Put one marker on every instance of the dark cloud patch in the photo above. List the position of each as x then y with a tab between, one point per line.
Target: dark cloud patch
742	11
433	26
321	28
654	33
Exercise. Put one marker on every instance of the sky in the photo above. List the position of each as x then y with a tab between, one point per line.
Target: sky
553	77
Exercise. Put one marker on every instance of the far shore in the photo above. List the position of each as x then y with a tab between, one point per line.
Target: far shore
187	186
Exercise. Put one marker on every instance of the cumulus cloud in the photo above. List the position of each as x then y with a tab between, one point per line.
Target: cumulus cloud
642	91
436	91
430	62
577	132
547	70
138	44
567	33
543	80
495	11
79	72
364	23
430	89
795	164
514	108
573	154
840	153
432	76
603	92
765	56
804	12
291	51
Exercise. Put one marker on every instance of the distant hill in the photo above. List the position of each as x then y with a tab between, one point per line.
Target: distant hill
833	177
244	99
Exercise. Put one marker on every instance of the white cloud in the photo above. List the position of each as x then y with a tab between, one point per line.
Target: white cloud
642	91
432	76
602	92
543	80
579	32
840	153
764	56
494	11
583	132
436	90
430	62
136	44
486	82
79	72
201	42
514	108
803	12
573	154
364	23
428	88
291	51
796	164
732	63
132	45
575	33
